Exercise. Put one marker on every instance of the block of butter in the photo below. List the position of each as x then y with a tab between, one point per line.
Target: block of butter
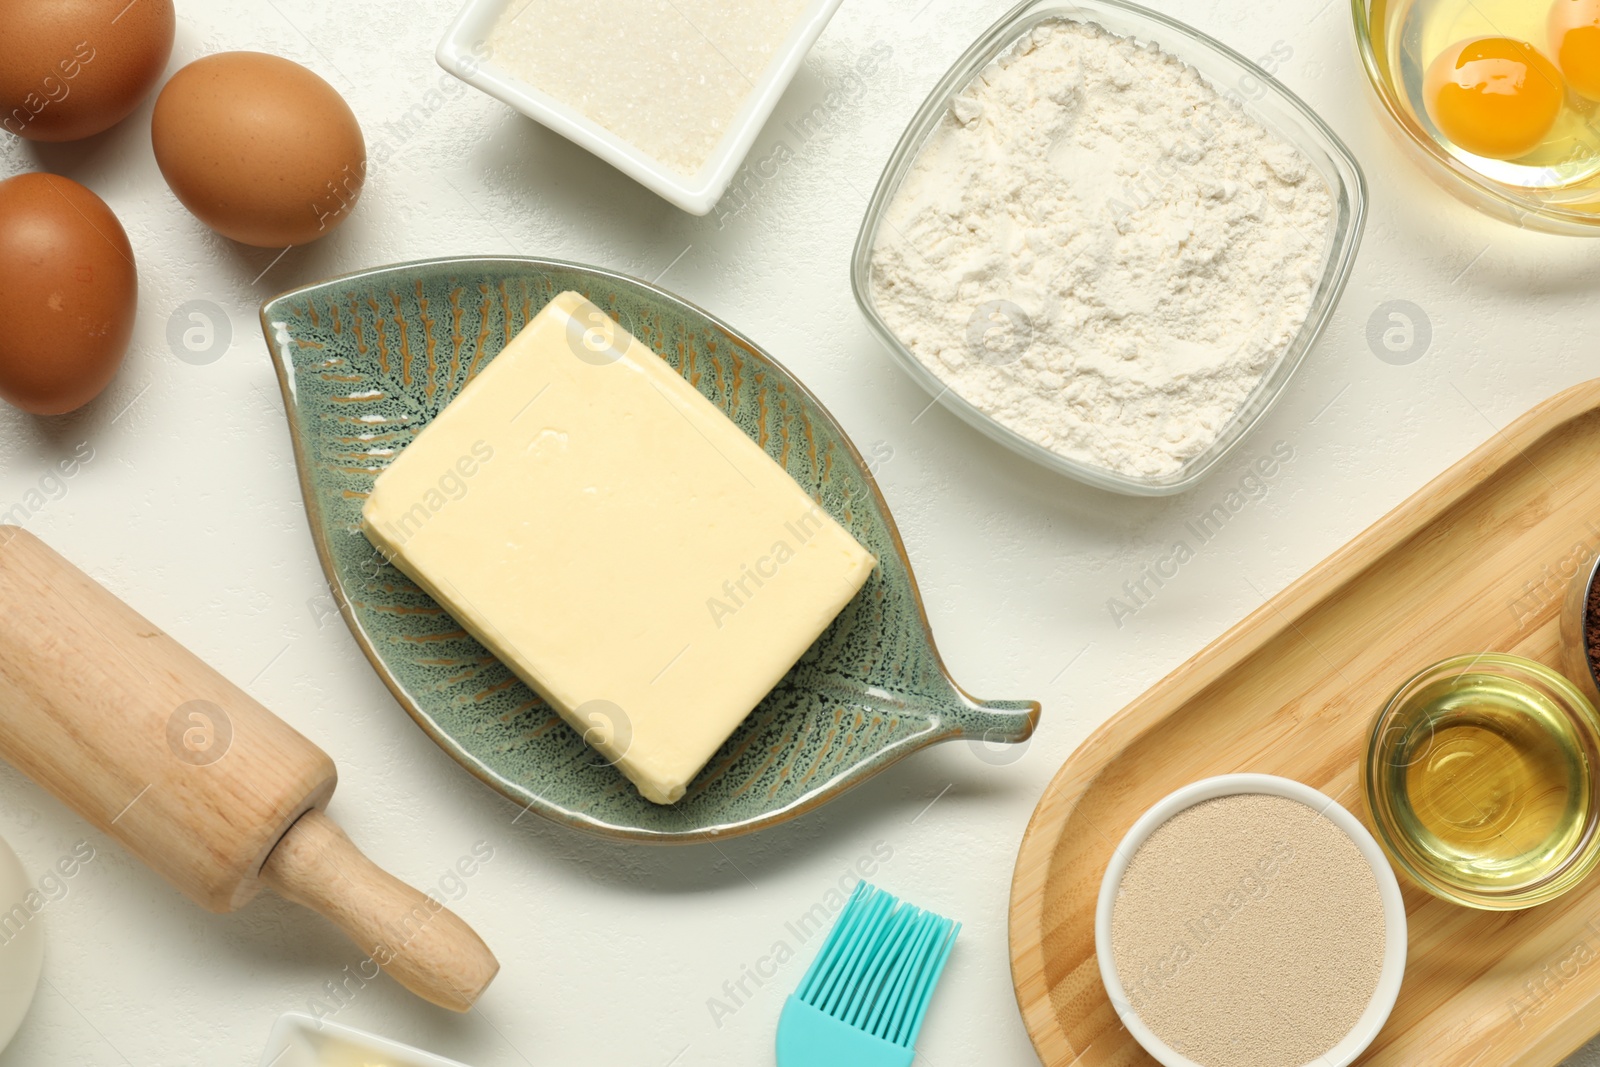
617	541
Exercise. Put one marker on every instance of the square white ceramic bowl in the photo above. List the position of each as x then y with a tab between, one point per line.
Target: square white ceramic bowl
461	53
298	1040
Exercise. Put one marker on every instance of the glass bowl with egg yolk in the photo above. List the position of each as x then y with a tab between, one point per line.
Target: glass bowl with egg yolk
1500	99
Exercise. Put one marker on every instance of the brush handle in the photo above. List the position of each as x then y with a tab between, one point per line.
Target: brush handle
421	944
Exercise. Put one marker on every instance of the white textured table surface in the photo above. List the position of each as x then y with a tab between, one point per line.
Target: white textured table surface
190	510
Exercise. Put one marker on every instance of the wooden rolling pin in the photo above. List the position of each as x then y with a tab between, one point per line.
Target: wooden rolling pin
208	787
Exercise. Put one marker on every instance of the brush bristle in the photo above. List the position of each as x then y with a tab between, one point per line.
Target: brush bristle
878	967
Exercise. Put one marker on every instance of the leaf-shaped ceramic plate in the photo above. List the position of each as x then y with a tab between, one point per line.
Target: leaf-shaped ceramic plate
367	360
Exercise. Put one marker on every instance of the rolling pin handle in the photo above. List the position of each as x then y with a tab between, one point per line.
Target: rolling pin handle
421	944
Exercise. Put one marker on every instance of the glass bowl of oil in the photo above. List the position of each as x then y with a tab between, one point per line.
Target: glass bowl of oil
1481	778
1498	99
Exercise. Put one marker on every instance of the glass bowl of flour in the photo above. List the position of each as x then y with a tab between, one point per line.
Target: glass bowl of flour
1107	241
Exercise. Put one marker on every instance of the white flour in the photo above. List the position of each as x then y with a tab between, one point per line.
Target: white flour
1100	251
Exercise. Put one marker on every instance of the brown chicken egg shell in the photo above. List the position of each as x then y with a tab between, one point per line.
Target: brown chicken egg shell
259	148
70	294
73	68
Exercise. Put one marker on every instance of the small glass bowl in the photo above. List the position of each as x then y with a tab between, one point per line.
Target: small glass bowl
1576	213
1576	622
1234	76
1403	735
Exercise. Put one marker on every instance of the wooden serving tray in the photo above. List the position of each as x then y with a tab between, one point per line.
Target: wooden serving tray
1474	562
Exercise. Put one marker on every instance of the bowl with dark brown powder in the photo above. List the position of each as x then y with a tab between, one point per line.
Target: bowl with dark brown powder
1591	631
1580	628
1250	921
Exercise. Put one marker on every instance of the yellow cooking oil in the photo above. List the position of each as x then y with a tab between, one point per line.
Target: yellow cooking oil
1491	782
1511	88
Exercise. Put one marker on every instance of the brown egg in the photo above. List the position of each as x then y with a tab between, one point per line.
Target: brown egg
70	292
259	148
72	68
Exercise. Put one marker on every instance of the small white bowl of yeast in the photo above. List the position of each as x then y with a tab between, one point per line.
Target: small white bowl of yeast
1248	920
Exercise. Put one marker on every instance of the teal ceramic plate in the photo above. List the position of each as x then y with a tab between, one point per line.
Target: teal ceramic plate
367	360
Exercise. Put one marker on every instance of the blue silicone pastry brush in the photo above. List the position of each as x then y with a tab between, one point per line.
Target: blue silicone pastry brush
865	996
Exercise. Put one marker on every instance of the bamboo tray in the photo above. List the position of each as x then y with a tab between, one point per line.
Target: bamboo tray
1476	561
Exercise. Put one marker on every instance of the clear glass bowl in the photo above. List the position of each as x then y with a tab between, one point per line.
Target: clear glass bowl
1576	624
1438	721
1573	210
1274	106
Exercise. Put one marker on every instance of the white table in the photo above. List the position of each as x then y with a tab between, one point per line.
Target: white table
190	510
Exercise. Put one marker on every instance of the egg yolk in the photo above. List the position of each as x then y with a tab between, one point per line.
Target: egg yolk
1575	42
1494	96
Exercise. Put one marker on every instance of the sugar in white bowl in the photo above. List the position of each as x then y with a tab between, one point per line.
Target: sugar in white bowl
672	93
666	75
